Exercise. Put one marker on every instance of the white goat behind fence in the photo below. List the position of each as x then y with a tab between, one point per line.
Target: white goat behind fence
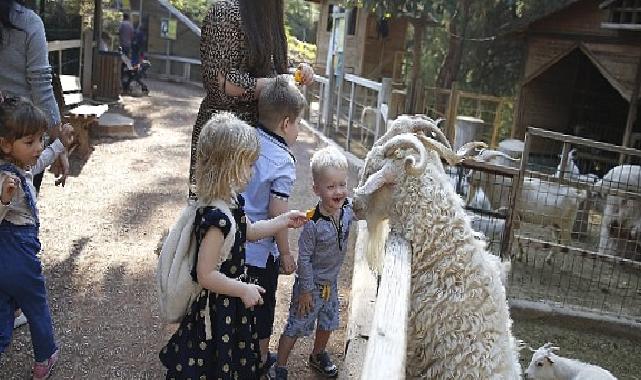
459	324
546	365
545	203
621	224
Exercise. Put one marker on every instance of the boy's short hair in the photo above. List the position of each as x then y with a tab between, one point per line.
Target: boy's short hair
327	157
279	99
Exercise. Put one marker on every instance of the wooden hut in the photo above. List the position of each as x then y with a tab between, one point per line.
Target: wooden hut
373	48
582	71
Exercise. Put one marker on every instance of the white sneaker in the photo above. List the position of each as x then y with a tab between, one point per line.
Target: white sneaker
19	321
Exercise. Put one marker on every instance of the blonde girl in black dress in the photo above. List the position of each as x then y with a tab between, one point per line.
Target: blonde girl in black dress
217	338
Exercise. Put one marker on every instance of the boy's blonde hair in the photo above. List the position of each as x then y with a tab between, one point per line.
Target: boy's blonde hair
327	157
227	146
279	99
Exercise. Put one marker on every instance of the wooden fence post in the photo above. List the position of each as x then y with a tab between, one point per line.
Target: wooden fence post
515	192
87	62
452	108
497	123
384	97
328	111
350	115
387	344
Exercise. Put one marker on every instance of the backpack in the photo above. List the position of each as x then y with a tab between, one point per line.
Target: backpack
176	288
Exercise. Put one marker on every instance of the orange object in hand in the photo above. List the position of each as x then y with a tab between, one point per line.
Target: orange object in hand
298	76
310	213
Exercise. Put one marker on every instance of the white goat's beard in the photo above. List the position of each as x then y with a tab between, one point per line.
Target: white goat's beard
375	253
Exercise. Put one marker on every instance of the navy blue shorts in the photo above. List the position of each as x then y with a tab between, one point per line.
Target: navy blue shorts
267	278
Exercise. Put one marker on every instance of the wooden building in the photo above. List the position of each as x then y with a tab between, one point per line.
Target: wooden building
373	48
581	72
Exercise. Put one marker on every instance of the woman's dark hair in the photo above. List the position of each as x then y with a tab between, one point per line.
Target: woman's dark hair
6	7
264	22
19	118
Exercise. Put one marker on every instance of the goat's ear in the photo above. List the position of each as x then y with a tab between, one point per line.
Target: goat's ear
549	359
377	180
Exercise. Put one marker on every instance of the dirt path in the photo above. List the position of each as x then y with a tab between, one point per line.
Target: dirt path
99	235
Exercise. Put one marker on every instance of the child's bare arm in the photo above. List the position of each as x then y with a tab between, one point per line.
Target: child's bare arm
278	206
51	153
209	277
9	185
265	228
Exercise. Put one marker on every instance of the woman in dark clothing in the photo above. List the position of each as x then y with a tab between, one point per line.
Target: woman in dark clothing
242	43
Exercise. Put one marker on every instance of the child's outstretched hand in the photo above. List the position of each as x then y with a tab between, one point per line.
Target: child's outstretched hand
293	219
305	304
9	186
251	295
66	135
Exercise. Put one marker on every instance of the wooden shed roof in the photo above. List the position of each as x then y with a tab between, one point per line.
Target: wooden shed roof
522	26
618	69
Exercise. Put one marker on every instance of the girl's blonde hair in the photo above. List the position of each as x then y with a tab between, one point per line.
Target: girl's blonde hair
327	157
227	146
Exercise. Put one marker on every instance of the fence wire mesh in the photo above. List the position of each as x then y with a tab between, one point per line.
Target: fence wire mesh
573	235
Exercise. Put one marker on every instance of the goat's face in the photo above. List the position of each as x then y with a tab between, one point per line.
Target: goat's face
542	365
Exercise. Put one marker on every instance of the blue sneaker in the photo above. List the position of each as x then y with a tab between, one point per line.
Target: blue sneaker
323	364
269	363
280	373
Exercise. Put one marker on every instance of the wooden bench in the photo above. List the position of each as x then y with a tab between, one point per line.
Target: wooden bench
82	117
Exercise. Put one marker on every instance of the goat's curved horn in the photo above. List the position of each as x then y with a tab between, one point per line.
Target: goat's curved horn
468	149
414	164
443	151
487	155
414	124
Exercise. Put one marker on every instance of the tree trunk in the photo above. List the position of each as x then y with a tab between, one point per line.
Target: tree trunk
413	88
450	67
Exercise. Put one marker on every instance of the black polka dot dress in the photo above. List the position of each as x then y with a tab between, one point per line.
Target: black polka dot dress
217	338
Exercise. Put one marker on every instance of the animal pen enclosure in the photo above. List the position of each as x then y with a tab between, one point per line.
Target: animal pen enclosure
573	238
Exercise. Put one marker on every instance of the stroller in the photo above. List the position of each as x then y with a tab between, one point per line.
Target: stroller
133	70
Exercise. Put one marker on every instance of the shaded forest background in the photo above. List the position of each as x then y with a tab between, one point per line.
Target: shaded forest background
468	41
470	44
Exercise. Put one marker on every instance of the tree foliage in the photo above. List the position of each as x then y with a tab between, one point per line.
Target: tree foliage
490	60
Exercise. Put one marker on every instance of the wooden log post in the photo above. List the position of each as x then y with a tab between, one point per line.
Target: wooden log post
387	348
361	308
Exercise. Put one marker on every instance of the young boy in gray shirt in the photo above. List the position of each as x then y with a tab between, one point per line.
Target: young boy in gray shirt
321	252
280	108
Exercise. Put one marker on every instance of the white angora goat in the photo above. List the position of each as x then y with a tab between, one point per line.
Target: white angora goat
546	365
459	325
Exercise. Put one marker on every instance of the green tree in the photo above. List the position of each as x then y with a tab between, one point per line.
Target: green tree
302	17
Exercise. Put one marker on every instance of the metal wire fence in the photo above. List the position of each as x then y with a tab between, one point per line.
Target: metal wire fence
571	226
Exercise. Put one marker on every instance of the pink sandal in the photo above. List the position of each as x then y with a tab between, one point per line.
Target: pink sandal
42	370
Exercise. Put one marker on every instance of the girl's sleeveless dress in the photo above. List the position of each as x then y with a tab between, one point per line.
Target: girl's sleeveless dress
233	351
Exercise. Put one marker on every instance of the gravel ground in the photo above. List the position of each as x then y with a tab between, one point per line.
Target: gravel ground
99	234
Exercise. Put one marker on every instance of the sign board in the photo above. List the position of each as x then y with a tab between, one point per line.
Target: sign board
168	29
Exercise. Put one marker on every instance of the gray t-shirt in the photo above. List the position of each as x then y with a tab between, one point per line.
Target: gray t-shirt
321	248
24	63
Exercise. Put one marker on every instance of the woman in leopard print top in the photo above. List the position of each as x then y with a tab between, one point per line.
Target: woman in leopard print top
242	43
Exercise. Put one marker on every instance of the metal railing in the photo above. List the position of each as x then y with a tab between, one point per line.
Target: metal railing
60	47
165	70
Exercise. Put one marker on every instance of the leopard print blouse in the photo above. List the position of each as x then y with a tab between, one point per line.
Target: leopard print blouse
223	49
